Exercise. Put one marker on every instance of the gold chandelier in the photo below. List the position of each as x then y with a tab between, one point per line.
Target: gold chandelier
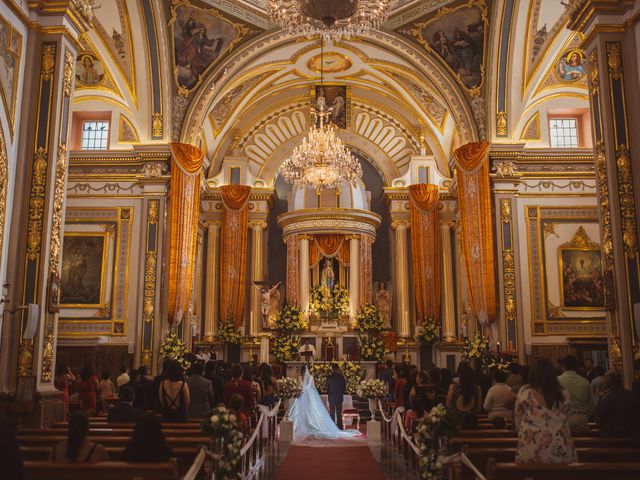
329	18
322	160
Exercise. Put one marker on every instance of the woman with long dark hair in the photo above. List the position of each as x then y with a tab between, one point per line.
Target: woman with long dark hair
87	389
268	386
542	418
174	394
465	397
76	448
147	443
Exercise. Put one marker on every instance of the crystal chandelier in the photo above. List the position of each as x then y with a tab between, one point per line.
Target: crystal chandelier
333	19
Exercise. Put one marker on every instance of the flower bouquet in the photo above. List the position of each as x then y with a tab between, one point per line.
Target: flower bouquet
289	387
289	320
373	388
285	348
428	333
371	347
433	431
369	320
224	429
174	348
228	333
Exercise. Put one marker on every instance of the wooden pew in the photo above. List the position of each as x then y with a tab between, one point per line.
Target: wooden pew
108	431
37	470
582	471
105	424
502	442
503	432
109	441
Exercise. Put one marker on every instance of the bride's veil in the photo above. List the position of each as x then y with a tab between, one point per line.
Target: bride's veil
310	416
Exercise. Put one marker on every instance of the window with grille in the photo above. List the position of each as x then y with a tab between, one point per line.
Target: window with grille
563	132
95	135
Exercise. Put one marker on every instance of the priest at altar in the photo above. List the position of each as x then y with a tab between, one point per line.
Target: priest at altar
307	351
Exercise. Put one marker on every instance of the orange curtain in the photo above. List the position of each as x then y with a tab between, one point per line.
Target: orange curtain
474	201
233	251
184	196
293	252
328	245
366	270
425	249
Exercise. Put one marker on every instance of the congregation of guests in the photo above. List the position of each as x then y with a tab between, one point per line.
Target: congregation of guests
545	403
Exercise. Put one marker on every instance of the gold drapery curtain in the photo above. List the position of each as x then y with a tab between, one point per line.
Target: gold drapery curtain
184	198
474	201
293	260
329	245
366	270
425	249
233	251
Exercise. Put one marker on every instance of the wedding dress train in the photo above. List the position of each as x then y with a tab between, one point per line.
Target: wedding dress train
311	420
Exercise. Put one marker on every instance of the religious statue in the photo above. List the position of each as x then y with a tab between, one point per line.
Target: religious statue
327	278
269	303
383	304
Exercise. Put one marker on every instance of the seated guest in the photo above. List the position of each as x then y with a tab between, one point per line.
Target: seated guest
445	381
268	386
87	390
249	376
483	380
125	412
77	449
241	387
581	396
542	418
398	387
174	394
465	396
235	404
412	381
499	401
147	443
146	384
123	378
200	392
11	464
615	407
417	412
217	381
598	382
425	389
514	379
107	388
140	400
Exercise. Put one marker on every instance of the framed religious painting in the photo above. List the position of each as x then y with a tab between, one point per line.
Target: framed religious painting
581	281
337	99
84	268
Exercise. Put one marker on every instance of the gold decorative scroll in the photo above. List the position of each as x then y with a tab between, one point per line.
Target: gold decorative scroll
425	249
293	252
366	271
329	245
233	251
184	199
474	201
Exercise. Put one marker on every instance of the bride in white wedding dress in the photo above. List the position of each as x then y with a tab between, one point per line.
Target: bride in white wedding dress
311	420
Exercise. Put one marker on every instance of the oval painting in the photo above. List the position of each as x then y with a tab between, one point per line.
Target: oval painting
572	66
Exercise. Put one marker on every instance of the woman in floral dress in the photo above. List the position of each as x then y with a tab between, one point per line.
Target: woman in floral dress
541	419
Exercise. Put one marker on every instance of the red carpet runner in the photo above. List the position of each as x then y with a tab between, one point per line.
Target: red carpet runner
334	463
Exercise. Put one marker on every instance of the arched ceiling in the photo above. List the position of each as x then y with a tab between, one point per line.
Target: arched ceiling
245	88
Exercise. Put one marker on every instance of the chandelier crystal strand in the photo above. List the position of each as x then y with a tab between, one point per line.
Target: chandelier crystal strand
332	19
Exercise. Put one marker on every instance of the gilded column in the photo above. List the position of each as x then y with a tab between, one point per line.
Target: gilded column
45	208
354	276
150	284
448	301
402	279
304	274
293	276
213	280
257	275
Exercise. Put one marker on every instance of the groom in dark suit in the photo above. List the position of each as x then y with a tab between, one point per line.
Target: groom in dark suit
336	386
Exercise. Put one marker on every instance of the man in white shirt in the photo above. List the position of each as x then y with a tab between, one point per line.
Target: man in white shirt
307	351
123	378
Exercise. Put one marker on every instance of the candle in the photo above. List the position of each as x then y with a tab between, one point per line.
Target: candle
511	345
498	349
465	331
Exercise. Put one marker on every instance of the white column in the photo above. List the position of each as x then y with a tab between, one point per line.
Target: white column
304	274
448	307
213	280
354	276
402	280
257	275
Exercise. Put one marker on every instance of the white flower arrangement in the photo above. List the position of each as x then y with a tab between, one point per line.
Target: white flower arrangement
428	333
432	433
373	388
224	424
289	387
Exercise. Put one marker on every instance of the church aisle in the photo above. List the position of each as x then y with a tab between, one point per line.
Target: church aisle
336	463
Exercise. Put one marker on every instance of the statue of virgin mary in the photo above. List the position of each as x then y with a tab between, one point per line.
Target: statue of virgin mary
327	278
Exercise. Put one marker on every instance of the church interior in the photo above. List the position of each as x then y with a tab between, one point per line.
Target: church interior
284	183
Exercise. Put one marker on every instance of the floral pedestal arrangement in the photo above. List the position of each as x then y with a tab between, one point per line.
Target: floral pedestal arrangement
226	441
373	389
289	388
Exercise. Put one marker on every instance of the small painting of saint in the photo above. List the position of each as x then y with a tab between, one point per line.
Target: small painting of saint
571	66
335	99
89	70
